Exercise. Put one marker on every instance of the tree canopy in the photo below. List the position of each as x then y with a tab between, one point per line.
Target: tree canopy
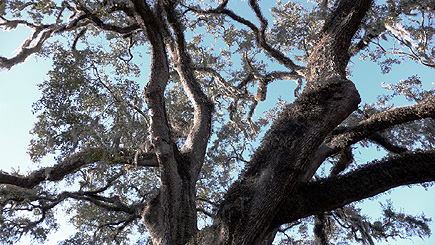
152	109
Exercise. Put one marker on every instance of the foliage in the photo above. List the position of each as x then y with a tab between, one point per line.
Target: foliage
94	97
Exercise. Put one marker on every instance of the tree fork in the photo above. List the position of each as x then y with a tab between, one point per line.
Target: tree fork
170	215
246	213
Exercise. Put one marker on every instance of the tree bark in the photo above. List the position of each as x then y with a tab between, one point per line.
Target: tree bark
273	189
334	192
248	209
170	215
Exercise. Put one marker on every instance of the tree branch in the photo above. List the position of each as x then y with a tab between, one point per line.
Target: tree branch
73	163
39	36
343	137
196	142
108	27
288	147
386	144
177	189
369	180
259	33
262	43
384	120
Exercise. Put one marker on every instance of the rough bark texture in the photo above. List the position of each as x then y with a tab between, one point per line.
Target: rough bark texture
379	176
249	207
273	189
171	215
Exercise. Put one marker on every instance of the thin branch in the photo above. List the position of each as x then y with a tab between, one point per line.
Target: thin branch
214	204
117	99
107	27
259	33
42	33
110	204
386	143
76	38
262	43
109	183
209	214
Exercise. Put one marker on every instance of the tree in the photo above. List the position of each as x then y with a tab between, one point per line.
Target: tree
156	160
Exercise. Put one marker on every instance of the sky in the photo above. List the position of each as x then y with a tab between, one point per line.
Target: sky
18	91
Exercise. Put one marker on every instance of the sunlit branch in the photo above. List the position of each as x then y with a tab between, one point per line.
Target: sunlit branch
200	131
43	32
40	34
27	49
229	90
151	23
421	57
240	91
264	81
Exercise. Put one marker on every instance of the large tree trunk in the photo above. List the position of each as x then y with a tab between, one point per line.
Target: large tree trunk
246	214
273	189
170	215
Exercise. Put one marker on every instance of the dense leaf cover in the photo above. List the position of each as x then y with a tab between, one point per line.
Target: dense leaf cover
188	78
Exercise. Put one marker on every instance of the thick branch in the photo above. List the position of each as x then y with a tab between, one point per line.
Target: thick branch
385	120
55	173
113	204
289	145
38	38
196	142
170	216
331	54
365	129
40	34
367	181
73	163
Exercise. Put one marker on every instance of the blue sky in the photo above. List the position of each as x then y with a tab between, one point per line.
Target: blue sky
18	91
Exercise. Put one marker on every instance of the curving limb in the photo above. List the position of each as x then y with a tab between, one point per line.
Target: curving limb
369	180
80	17
258	32
75	162
200	130
342	137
